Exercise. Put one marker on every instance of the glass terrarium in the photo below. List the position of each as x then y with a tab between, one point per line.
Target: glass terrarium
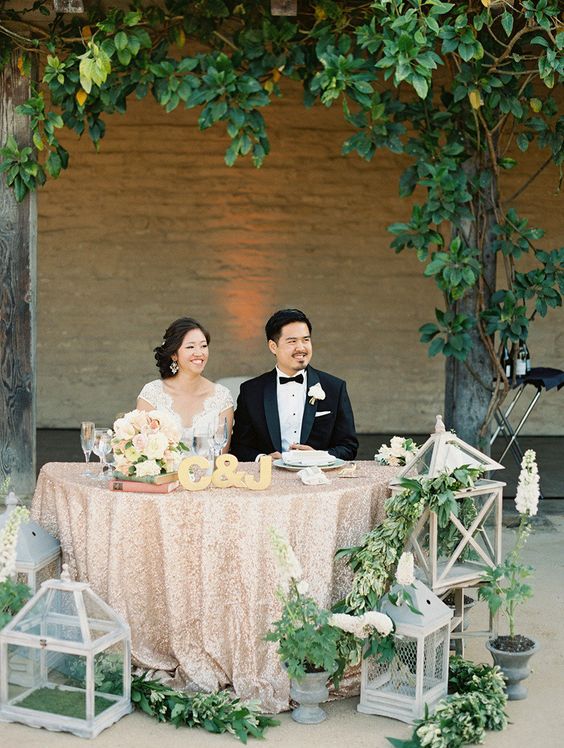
38	554
417	676
65	661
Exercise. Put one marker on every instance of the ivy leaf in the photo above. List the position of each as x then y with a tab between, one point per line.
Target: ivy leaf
507	22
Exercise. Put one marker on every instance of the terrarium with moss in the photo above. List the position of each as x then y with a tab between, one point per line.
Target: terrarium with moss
65	661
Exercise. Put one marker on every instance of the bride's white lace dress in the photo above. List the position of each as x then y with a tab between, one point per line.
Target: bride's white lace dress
220	400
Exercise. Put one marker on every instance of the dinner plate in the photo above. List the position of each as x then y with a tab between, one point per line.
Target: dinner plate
337	462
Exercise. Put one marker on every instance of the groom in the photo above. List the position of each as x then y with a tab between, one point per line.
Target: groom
294	406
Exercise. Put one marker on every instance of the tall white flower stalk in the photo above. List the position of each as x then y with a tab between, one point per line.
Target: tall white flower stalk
528	489
289	567
9	541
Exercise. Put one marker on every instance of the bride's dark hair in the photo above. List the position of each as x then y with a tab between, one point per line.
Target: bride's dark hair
172	341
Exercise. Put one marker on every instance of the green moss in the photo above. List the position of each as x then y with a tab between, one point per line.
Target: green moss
65	703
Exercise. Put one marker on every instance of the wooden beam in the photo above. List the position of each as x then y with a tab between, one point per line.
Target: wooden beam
18	242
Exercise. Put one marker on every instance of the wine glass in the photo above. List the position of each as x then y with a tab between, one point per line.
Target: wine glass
220	436
102	445
87	436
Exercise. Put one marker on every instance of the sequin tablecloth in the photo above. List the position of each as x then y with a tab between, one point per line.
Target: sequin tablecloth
193	573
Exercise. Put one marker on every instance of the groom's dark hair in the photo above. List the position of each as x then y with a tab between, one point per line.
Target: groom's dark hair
273	327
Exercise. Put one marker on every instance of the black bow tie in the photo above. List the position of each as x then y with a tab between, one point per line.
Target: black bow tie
299	378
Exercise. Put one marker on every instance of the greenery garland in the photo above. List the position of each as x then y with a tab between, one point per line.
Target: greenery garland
217	712
476	704
374	562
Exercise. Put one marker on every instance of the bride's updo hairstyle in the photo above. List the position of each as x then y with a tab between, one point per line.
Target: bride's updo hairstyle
172	341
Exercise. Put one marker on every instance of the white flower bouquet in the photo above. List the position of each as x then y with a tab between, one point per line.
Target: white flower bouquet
146	444
398	453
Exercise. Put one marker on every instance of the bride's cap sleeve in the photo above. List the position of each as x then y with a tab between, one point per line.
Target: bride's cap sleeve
226	400
149	393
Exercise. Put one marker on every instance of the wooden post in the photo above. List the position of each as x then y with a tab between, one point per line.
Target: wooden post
18	242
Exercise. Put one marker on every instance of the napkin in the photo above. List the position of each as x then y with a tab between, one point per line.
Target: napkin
307	457
349	471
313	476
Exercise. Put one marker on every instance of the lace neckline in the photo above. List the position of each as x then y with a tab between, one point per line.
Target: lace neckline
206	406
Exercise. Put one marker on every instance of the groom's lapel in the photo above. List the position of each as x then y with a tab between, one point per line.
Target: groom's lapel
271	411
309	409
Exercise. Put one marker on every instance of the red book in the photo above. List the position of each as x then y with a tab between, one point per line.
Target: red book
137	487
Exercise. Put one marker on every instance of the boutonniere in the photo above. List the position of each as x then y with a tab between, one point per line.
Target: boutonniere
315	393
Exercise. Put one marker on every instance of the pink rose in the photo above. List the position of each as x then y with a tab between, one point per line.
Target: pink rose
139	442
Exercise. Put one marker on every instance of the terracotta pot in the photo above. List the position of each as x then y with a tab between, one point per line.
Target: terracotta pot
309	692
515	668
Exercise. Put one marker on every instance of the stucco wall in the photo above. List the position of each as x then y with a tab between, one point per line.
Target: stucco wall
155	226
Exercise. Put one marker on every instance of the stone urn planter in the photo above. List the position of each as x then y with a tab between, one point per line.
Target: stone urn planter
512	654
309	692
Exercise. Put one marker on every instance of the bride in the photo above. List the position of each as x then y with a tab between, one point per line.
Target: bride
198	404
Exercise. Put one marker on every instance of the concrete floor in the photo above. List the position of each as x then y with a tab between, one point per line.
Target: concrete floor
537	721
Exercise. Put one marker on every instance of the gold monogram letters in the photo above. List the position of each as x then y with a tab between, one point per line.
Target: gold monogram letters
225	474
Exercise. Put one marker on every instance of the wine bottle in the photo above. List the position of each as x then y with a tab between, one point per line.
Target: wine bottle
521	363
506	363
527	357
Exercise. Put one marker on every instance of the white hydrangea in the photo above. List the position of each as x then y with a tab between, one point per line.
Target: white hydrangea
528	488
9	541
405	571
380	621
348	623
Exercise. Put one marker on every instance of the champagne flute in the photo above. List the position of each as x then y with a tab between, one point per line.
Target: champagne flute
220	436
87	436
102	445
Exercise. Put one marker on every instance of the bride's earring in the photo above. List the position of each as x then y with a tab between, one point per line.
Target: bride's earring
173	367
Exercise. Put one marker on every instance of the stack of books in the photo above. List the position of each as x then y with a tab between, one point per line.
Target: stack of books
165	483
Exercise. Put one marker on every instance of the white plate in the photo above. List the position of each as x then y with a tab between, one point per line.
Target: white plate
330	466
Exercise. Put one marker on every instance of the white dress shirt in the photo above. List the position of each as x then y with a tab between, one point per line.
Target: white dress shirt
291	399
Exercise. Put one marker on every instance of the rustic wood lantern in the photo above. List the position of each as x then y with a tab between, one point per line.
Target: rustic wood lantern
457	555
75	653
284	7
38	554
453	558
417	676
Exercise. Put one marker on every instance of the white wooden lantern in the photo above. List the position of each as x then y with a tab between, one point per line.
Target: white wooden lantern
418	673
38	554
76	650
455	556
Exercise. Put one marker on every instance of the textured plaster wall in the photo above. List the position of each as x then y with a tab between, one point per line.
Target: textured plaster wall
155	226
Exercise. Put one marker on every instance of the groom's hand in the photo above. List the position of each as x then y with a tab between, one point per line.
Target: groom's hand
275	455
301	446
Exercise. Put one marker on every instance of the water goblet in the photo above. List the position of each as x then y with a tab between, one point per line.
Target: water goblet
203	447
87	436
102	446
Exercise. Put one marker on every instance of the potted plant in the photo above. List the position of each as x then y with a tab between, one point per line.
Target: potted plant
314	645
505	587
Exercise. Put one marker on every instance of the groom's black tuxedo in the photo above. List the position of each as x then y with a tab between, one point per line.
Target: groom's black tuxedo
257	425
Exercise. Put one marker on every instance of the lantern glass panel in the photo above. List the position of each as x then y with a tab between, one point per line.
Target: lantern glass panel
109	670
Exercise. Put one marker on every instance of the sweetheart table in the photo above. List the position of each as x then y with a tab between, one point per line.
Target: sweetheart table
193	573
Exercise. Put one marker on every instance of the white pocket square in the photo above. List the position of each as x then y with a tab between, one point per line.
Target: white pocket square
322	413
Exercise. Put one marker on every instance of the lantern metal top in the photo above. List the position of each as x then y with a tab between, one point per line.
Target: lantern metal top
35	545
444	451
433	613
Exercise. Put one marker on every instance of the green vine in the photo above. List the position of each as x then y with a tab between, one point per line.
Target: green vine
476	704
216	712
374	562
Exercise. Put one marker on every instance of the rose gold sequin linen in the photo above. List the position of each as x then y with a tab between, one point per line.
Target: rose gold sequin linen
193	573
